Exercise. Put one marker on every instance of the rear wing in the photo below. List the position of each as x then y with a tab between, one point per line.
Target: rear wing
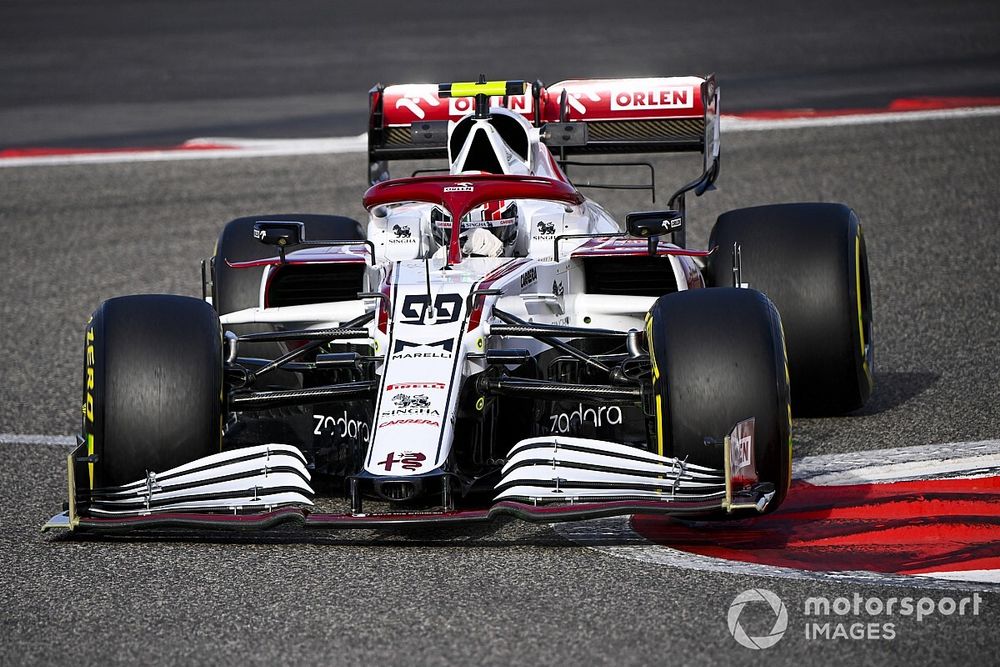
577	117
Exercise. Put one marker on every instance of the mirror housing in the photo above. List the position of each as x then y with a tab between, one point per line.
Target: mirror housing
646	224
651	225
279	233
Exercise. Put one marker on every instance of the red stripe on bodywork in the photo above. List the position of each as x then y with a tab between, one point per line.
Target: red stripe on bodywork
477	306
630	247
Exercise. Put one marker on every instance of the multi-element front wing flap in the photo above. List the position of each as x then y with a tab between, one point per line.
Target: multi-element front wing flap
544	480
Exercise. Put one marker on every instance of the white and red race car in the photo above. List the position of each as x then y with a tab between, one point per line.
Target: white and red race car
535	358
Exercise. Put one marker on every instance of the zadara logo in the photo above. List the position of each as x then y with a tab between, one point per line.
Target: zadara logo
758	599
464	186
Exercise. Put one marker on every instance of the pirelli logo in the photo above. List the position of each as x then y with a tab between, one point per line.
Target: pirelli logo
669	97
88	406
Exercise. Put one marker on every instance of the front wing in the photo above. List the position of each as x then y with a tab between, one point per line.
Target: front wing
545	480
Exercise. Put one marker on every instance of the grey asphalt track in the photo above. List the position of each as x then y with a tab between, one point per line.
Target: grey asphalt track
118	72
107	73
510	593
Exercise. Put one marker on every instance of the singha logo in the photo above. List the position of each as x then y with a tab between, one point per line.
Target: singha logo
401	232
406	401
546	228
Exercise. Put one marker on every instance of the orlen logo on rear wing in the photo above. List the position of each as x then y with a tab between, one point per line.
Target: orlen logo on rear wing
411	103
621	99
616	116
586	99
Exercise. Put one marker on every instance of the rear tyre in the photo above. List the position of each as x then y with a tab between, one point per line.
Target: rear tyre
811	261
719	358
152	386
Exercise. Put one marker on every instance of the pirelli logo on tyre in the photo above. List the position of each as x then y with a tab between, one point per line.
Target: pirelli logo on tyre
90	384
88	405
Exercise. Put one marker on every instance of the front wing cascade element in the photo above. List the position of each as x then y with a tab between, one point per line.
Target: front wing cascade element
545	480
548	469
251	480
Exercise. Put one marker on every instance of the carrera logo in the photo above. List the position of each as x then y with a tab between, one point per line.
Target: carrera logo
460	187
415	385
408	460
410	422
659	98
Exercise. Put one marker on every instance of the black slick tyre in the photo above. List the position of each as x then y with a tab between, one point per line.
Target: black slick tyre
718	359
152	386
811	261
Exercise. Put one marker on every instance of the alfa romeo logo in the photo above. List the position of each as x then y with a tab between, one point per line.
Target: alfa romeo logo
777	607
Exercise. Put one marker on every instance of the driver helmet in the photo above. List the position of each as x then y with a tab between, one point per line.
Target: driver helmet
499	217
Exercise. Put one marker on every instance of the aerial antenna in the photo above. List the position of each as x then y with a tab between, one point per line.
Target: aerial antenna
431	314
482	100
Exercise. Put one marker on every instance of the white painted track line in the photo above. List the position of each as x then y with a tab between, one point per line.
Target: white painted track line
966	459
732	124
231	148
37	439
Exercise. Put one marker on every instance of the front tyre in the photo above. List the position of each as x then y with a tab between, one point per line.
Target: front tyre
152	389
718	359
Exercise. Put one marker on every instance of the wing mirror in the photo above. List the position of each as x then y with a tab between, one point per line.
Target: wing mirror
279	233
652	224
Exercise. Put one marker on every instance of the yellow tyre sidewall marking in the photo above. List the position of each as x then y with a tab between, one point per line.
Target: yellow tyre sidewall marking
861	326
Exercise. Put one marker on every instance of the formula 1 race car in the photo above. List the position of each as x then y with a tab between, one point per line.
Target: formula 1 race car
491	342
